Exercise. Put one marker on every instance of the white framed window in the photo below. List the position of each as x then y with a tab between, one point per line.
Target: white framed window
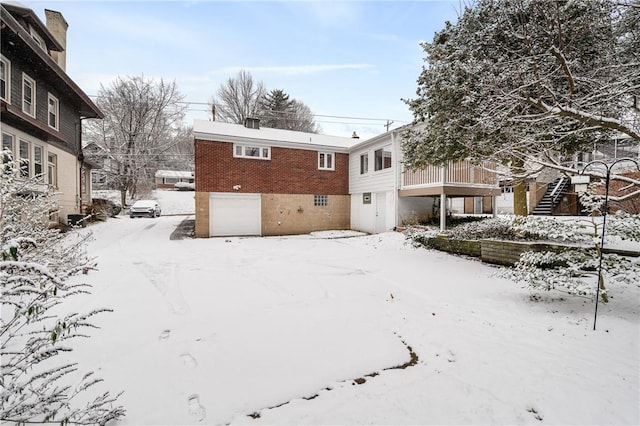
25	158
382	158
320	200
5	79
249	151
38	169
28	95
52	170
54	107
364	163
36	37
325	161
7	145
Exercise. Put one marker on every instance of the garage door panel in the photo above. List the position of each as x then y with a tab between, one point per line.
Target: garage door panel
235	214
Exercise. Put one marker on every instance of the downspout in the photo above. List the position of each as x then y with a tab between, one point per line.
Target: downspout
396	181
80	157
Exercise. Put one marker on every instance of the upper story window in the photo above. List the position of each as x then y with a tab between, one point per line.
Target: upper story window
364	163
28	95
38	169
325	161
382	158
5	79
248	151
54	107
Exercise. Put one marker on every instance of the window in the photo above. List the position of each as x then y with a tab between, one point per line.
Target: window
364	163
7	145
382	158
5	79
325	161
37	162
24	158
320	200
28	95
36	37
53	111
246	151
52	170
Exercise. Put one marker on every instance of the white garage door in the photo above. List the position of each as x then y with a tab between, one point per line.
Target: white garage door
234	214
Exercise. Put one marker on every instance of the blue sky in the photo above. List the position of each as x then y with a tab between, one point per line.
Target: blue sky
348	59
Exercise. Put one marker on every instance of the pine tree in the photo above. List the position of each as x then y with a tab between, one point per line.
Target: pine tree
276	109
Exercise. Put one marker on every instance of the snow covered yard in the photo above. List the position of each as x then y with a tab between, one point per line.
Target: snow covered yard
312	330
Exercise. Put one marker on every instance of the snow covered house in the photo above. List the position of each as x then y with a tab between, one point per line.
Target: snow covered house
42	108
262	181
169	178
384	195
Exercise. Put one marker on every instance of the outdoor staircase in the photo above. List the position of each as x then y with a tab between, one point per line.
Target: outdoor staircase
552	197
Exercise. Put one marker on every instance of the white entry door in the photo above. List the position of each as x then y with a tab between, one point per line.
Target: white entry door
381	212
235	214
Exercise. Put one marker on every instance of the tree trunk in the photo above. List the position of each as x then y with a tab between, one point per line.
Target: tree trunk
519	190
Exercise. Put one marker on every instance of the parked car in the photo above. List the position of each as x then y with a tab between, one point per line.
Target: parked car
185	186
148	208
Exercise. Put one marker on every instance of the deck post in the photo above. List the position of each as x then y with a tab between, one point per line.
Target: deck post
493	206
443	211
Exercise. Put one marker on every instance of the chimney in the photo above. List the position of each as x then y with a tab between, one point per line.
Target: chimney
57	25
355	136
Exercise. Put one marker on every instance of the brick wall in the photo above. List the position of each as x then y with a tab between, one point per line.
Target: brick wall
289	171
286	214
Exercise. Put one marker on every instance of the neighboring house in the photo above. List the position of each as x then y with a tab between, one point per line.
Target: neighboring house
168	178
384	195
262	181
42	108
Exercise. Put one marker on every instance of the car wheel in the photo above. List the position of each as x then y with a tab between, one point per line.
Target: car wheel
131	216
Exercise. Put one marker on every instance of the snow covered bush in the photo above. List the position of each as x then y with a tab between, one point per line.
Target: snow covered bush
37	384
574	269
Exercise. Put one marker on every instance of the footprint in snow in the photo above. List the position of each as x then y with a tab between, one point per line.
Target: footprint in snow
188	360
195	409
535	413
164	335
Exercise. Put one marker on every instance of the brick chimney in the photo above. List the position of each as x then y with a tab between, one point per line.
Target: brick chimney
57	25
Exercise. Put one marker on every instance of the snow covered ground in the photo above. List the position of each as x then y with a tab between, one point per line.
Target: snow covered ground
362	330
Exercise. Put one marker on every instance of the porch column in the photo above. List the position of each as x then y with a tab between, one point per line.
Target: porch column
493	205
443	211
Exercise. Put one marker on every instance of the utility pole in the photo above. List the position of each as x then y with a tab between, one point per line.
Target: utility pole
389	123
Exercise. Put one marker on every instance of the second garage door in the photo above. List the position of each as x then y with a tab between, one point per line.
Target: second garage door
234	214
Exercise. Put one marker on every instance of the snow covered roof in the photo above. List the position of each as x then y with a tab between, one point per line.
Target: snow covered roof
174	174
237	133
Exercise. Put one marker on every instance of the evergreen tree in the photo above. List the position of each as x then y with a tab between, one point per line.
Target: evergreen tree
276	109
524	83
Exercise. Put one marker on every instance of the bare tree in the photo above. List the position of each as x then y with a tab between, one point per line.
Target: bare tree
238	98
141	119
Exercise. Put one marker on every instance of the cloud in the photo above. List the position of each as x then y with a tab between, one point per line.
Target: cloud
295	69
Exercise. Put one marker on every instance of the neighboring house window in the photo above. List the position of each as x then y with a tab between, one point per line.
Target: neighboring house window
53	111
325	161
36	37
5	79
7	145
52	170
247	151
364	163
28	95
382	158
25	158
37	162
170	180
320	200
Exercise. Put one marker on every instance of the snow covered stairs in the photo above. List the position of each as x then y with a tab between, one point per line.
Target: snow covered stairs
551	198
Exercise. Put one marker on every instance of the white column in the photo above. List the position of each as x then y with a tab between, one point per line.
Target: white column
443	211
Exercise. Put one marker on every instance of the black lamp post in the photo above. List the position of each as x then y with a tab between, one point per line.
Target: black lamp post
607	168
